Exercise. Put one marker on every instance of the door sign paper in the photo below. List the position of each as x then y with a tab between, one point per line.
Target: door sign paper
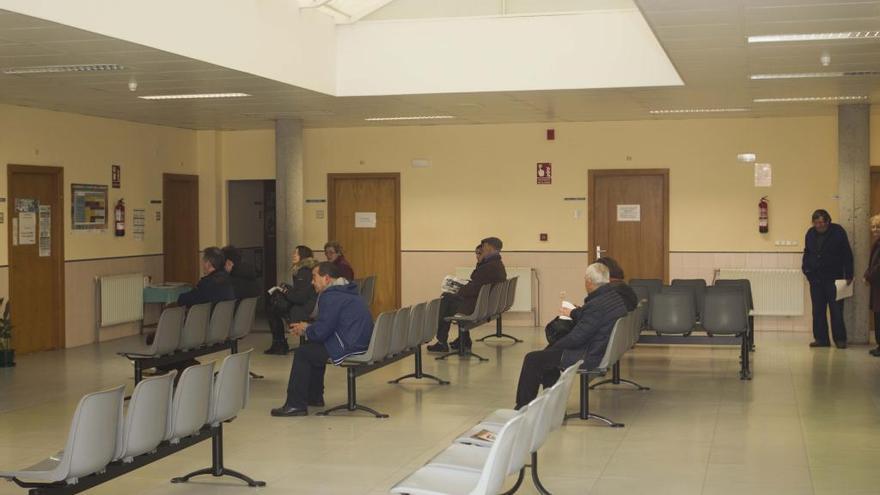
27	228
365	219
629	213
45	230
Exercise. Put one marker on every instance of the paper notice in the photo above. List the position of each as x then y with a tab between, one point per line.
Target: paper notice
365	219
45	230
27	228
844	290
763	175
629	213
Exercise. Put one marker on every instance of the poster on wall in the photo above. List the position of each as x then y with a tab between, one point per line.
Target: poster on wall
45	231
89	207
139	221
763	175
545	173
116	176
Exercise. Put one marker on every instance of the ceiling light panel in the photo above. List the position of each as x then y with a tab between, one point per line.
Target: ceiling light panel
413	117
195	96
697	110
809	99
788	38
814	75
54	69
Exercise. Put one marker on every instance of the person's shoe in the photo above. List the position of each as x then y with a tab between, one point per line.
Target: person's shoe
875	352
819	344
457	342
286	412
277	349
316	403
841	345
438	347
454	345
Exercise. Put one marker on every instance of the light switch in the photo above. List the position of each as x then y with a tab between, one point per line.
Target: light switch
319	214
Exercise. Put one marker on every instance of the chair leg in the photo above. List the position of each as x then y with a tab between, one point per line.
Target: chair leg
418	374
537	479
463	350
584	412
519	480
138	372
255	376
745	372
617	380
217	469
499	334
352	404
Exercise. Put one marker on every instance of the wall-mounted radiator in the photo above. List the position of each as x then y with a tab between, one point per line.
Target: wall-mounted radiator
120	299
776	291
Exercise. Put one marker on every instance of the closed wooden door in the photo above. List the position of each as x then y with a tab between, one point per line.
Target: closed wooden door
180	227
36	257
629	220
371	248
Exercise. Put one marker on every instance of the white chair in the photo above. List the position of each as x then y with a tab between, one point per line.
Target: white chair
167	337
243	320
438	480
221	322
147	417
192	400
399	331
195	328
91	442
501	416
230	396
415	338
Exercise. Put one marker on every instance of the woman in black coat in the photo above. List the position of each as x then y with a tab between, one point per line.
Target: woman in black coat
872	277
300	298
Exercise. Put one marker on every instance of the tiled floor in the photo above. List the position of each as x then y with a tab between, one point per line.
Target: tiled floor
809	423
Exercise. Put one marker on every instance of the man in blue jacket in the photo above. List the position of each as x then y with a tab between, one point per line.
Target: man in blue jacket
343	328
587	340
827	257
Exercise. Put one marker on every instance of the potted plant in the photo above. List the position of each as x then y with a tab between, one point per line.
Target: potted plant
7	353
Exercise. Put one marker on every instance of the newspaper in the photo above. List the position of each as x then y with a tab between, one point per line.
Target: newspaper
452	285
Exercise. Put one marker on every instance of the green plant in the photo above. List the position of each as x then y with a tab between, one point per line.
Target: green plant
5	327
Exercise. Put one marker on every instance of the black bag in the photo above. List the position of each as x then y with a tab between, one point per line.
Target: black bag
557	328
278	303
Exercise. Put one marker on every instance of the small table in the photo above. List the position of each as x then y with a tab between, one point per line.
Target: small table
163	294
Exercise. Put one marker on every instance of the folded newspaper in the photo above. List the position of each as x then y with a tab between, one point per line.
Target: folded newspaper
566	305
451	284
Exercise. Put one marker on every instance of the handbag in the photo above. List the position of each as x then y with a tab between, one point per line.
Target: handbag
278	303
557	328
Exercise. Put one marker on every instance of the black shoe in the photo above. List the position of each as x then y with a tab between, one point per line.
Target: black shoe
454	345
875	352
277	349
316	403
819	344
438	347
285	411
841	345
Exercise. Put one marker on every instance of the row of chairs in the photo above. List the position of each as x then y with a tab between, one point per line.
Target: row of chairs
493	300
647	288
366	288
183	334
104	443
396	335
475	466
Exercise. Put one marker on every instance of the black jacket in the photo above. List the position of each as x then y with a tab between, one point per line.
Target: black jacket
589	337
629	296
302	295
489	270
834	261
212	288
244	280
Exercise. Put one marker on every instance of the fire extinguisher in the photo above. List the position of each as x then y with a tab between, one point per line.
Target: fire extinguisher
119	218
763	216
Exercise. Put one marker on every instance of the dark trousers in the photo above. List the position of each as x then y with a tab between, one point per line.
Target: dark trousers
823	295
539	368
277	326
306	383
877	327
449	304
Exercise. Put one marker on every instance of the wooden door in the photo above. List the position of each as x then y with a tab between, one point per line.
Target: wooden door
370	250
629	220
180	227
36	257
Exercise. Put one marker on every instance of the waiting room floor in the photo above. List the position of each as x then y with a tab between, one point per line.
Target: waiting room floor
809	423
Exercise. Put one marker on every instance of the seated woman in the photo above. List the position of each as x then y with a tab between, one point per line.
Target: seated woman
300	296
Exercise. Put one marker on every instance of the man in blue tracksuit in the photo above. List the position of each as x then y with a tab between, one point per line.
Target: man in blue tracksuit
343	328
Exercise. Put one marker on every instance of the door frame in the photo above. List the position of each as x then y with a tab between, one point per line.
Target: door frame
592	174
331	215
57	232
166	178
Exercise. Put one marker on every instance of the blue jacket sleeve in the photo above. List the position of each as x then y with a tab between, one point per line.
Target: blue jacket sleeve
583	330
328	319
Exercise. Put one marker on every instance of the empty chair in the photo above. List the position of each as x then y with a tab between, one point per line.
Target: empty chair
230	396
399	331
511	293
443	480
380	340
369	289
725	313
360	286
167	337
746	286
496	299
146	420
697	286
416	322
672	312
91	442
652	285
432	319
243	320
221	322
195	328
192	399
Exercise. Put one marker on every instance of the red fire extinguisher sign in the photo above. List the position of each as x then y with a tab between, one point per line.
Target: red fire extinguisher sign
763	215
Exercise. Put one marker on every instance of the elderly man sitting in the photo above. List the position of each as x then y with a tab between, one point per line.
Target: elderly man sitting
587	339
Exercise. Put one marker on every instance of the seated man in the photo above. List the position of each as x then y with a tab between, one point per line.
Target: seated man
343	328
215	286
242	274
587	340
489	270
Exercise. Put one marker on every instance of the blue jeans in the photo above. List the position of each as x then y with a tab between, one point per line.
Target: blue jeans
823	294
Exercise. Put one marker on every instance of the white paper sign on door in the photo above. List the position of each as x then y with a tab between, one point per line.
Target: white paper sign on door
365	219
45	230
629	213
27	228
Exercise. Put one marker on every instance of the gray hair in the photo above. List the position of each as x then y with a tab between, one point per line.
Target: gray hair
598	274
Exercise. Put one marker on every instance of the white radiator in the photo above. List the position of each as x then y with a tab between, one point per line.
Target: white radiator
523	300
776	291
120	298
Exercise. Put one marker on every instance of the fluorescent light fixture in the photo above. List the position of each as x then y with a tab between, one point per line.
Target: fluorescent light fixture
54	69
810	99
746	157
413	117
784	38
809	75
697	110
197	96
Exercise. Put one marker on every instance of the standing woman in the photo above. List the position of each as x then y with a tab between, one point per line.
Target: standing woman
872	277
300	296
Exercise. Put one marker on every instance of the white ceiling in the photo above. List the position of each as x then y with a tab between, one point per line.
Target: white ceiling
705	39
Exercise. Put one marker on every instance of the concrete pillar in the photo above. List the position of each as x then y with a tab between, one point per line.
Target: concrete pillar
288	192
854	184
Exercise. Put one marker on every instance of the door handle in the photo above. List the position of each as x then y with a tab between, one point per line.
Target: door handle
599	251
